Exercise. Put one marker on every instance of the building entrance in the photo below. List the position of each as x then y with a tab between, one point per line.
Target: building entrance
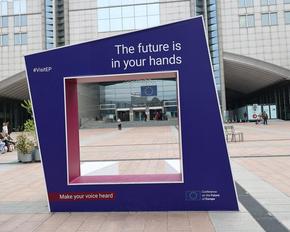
156	113
139	114
123	114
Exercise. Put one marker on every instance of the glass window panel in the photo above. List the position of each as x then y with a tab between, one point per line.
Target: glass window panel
286	1
16	5
140	1
215	54
242	3
114	2
287	17
249	2
115	12
17	21
127	2
4	21
272	2
264	2
128	23
49	45
17	39
103	3
274	19
116	24
251	20
212	8
216	73
103	13
153	20
49	39
23	6
49	33
216	67
140	10
49	27
265	19
213	34
23	20
128	17
140	22
24	38
128	11
4	40
153	9
243	22
215	60
212	21
213	40
103	25
212	27
4	8
49	21
20	20
212	14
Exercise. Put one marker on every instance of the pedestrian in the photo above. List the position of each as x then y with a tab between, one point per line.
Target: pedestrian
246	116
145	117
5	128
119	124
265	118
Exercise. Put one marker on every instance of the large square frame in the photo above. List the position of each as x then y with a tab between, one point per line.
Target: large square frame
208	183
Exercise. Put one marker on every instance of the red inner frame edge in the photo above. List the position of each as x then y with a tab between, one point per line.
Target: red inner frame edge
72	127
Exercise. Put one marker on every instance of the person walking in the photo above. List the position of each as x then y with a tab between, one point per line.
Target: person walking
119	124
5	128
265	118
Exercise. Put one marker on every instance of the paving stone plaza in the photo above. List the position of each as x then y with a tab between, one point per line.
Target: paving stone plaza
260	164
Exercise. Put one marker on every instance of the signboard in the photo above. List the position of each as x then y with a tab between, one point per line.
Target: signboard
266	109
273	112
204	180
254	111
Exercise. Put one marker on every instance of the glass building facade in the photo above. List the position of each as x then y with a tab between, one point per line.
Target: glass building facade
209	10
49	24
127	14
137	100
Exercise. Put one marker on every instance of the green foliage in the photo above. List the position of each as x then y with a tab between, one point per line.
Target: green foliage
28	106
29	126
24	145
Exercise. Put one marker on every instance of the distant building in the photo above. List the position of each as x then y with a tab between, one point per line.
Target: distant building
249	42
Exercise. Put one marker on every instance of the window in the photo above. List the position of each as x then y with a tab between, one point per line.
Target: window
3	8
20	20
286	1
4	21
269	19
247	20
19	6
246	3
4	40
287	17
127	14
20	38
268	2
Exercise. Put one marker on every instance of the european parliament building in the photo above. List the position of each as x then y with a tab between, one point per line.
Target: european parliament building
249	43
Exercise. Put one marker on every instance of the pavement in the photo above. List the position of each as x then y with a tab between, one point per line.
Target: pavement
261	169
